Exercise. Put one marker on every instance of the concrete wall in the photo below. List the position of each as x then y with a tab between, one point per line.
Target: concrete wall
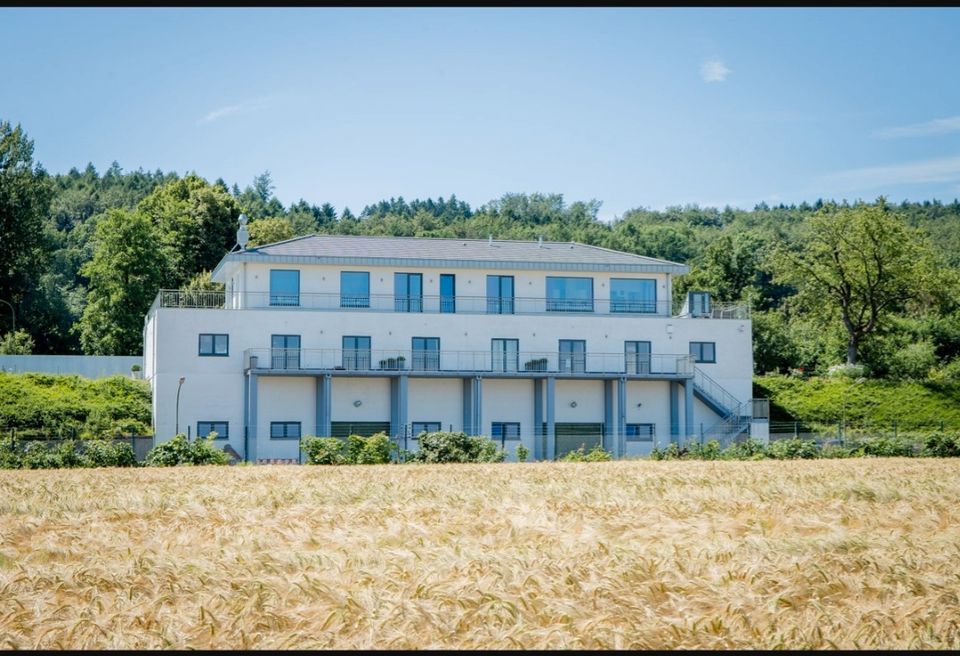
90	366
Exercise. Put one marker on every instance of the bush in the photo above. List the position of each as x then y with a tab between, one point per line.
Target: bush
10	456
881	446
708	451
749	449
847	371
374	450
181	451
324	450
793	449
913	361
942	445
670	452
522	453
104	453
456	447
596	454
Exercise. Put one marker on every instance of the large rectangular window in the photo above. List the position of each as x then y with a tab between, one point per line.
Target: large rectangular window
633	295
426	354
505	354
408	292
569	294
640	432
703	351
215	345
284	287
500	294
448	292
573	355
356	353
285	351
637	356
505	430
354	289
221	428
284	430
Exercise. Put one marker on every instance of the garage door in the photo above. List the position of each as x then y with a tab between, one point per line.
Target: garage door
343	429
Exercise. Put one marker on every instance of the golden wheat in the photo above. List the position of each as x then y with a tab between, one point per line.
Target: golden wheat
723	555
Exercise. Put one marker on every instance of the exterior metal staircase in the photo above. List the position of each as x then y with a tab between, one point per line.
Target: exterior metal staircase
735	417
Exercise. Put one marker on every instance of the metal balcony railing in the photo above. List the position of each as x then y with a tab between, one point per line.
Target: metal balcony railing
520	363
173	298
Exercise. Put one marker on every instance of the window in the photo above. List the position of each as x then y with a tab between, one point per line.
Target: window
503	431
703	351
640	432
504	354
284	287
214	344
354	289
424	427
500	294
569	294
284	430
285	351
408	292
426	354
637	356
221	428
633	295
356	353
699	304
448	292
573	355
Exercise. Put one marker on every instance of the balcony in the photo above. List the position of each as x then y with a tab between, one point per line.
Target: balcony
524	364
172	298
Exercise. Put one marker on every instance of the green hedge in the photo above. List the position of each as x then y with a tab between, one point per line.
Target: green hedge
355	450
66	454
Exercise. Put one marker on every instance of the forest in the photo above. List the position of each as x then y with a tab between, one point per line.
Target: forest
870	286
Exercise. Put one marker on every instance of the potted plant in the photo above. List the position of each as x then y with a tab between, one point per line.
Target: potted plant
536	364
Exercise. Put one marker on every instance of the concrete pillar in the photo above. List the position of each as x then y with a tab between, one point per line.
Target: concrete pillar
551	418
324	394
398	405
478	406
468	406
608	427
538	419
674	411
621	417
689	430
252	432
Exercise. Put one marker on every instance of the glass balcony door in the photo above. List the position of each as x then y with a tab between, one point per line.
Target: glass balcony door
408	292
505	354
356	353
285	351
573	356
426	353
500	294
448	292
637	356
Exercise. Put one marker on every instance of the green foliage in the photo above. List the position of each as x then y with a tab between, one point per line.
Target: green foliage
708	451
596	454
125	275
324	450
268	231
456	447
669	452
181	451
913	361
882	447
749	449
18	343
793	449
105	453
522	453
942	445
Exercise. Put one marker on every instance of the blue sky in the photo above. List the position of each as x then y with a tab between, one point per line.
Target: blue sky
634	107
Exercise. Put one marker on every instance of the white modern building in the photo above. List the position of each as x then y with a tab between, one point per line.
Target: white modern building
552	345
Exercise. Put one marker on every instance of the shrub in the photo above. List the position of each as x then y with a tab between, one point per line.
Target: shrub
793	449
914	361
456	447
670	452
10	456
847	370
105	453
708	451
324	450
522	453
749	449
596	454
181	451
881	446
374	450
942	445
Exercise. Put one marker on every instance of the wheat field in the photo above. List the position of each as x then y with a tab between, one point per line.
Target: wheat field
858	553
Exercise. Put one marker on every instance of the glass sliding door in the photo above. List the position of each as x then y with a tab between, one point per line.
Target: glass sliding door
354	289
426	354
408	292
505	354
356	353
573	356
285	351
633	295
569	294
637	356
284	287
448	292
500	294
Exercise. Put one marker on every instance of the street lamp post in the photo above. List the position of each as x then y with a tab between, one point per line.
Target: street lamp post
176	430
13	314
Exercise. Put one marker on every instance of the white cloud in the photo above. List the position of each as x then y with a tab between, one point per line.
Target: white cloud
936	126
946	169
228	110
714	70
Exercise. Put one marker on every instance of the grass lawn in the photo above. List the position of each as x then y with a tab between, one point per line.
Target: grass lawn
855	553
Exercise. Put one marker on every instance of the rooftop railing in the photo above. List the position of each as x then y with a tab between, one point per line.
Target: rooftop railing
426	361
173	298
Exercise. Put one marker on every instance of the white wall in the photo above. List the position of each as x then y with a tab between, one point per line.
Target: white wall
373	394
436	400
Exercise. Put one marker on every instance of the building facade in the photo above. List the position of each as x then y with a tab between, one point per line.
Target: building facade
551	345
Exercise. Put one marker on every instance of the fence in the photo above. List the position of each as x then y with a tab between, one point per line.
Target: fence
838	432
20	438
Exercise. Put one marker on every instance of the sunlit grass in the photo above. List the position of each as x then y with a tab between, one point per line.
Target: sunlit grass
814	554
